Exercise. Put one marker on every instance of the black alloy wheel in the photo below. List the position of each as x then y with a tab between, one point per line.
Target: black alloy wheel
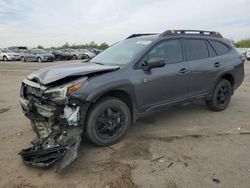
221	96
107	121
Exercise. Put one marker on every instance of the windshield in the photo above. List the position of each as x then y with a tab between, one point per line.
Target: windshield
122	52
5	50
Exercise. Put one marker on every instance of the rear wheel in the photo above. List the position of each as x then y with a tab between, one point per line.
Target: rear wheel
221	96
5	58
107	121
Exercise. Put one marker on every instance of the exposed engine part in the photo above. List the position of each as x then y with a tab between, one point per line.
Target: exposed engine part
45	110
71	115
43	129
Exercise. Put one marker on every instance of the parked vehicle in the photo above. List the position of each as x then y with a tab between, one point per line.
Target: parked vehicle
7	55
88	54
75	53
94	50
248	54
38	55
138	76
60	55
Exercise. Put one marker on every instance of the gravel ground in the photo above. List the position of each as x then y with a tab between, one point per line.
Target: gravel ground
185	147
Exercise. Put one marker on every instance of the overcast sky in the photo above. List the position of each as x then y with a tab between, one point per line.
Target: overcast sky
54	22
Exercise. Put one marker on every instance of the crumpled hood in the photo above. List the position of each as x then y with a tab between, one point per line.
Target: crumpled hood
53	73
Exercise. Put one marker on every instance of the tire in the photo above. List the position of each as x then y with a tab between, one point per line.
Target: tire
221	96
107	121
39	60
74	57
5	58
23	59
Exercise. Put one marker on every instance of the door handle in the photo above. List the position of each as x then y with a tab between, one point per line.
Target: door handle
217	64
183	71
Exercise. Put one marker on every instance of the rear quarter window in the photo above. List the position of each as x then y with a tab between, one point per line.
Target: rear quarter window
219	47
196	49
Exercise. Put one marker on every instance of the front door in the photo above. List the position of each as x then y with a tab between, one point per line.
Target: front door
164	85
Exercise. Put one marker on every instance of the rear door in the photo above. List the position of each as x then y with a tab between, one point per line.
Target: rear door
203	66
30	56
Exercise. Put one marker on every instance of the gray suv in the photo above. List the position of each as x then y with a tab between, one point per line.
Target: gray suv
136	77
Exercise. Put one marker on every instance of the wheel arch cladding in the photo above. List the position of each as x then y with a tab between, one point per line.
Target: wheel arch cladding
123	96
229	77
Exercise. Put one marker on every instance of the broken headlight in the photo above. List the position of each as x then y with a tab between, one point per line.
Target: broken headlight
60	93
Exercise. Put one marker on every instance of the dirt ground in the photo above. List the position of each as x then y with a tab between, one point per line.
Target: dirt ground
185	147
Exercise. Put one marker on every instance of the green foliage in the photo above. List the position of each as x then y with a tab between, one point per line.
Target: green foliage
92	44
40	47
243	43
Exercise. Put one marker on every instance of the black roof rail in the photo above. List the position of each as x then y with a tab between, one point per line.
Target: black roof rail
190	33
140	34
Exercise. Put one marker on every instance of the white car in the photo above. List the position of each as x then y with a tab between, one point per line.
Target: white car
248	54
75	53
7	55
87	53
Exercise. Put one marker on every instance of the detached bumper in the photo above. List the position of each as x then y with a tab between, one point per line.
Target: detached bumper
60	147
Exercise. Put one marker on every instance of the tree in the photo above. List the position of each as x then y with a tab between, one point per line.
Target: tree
243	43
66	45
103	46
40	47
92	44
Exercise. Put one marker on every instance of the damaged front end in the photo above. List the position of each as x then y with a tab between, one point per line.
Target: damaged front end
57	119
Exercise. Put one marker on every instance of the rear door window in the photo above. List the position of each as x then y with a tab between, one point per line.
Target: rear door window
211	51
219	47
196	49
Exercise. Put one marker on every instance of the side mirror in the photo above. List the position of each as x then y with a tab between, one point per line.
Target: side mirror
153	63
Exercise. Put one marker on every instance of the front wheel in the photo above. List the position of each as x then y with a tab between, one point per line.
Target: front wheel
5	58
107	121
23	59
39	60
221	96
